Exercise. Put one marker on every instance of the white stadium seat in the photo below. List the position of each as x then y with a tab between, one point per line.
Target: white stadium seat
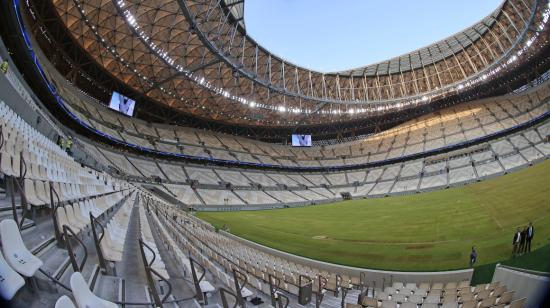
10	280
84	297
15	252
64	302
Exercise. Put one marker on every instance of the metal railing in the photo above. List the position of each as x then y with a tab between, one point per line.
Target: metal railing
55	206
276	293
344	291
197	280
16	185
274	288
97	241
68	234
149	272
225	303
279	300
1	136
240	280
320	294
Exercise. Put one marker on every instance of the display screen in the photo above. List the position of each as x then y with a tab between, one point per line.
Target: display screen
301	140
122	104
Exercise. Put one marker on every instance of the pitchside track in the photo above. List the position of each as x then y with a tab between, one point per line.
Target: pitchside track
426	231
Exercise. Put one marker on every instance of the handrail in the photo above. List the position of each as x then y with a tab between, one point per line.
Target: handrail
1	136
319	295
279	297
165	280
240	286
72	255
345	291
274	288
196	281
10	181
24	203
148	270
55	280
93	222
300	277
54	211
152	251
22	164
225	304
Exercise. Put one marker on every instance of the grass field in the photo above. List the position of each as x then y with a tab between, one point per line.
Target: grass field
426	231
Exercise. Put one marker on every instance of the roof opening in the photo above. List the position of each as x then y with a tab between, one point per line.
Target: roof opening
331	36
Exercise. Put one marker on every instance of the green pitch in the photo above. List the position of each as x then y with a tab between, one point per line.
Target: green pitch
426	231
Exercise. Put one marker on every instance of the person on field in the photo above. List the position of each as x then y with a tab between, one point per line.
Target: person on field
523	244
516	242
530	235
473	256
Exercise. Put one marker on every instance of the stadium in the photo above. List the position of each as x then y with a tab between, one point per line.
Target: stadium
154	154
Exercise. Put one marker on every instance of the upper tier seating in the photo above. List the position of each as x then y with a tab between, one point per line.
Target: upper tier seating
206	187
446	127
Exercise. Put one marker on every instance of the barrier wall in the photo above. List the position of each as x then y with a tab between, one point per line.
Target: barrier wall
378	278
535	286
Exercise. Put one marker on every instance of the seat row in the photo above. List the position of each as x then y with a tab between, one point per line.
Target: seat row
177	243
447	127
77	214
147	237
176	246
486	295
112	245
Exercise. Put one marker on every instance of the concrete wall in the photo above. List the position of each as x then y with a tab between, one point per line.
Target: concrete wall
379	277
535	286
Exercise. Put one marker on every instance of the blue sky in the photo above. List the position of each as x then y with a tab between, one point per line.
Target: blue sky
342	34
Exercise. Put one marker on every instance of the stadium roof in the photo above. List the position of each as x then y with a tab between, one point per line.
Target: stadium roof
195	57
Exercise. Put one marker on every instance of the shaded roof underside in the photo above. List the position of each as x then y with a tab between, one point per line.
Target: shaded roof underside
195	56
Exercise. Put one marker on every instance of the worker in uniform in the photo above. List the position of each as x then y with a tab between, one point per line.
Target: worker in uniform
4	67
69	145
